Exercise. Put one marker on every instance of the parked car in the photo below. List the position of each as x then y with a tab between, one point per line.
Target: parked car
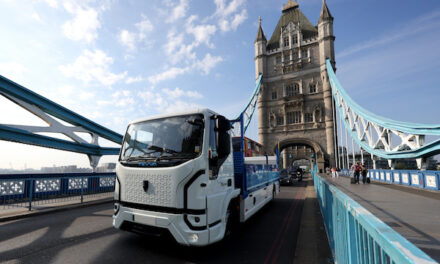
285	177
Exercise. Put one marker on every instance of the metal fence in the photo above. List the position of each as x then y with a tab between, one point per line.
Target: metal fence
415	178
41	190
357	236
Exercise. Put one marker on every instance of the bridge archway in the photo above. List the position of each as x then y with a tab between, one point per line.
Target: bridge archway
301	148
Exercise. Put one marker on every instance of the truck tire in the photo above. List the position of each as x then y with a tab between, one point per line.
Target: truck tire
231	218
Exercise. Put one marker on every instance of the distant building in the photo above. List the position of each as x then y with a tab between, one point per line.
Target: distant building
106	167
65	169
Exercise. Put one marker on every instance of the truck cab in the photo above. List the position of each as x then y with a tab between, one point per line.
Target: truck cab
175	175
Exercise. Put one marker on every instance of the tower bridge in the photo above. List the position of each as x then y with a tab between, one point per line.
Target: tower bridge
303	111
295	104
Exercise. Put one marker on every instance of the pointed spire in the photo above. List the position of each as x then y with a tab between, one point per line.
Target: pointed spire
325	13
260	33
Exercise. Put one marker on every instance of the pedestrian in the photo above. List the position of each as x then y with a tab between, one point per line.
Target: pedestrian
364	173
356	169
335	173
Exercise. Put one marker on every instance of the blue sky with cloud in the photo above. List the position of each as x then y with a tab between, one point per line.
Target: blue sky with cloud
116	61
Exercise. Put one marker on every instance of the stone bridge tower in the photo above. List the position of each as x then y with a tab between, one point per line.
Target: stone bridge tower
295	107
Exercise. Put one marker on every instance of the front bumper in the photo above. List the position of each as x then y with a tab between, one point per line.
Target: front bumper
174	223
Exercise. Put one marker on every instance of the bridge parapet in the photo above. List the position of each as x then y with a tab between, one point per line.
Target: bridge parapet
356	235
424	179
28	190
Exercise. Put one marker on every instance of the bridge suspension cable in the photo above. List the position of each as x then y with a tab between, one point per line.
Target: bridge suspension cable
249	109
380	136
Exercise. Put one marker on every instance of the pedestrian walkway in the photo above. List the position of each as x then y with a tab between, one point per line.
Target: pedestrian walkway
415	214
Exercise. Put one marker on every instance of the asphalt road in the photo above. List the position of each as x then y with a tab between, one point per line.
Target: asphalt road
86	235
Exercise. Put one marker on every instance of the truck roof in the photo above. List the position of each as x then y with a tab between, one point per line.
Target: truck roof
188	112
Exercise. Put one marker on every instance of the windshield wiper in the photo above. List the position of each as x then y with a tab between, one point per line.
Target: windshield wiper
157	149
177	156
139	158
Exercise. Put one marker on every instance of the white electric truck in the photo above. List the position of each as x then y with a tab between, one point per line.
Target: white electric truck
181	174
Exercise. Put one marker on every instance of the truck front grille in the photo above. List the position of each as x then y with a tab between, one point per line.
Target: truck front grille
161	189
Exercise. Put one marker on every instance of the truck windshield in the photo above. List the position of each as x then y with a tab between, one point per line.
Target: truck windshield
167	140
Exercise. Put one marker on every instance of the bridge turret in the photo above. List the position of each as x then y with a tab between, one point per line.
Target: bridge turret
326	50
260	51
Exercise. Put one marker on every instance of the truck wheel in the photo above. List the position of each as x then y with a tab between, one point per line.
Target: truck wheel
231	219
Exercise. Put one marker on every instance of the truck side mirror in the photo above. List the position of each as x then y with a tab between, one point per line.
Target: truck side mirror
222	126
224	144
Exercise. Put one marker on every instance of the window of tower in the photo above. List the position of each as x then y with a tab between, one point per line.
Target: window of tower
294	117
286	41
304	54
280	120
294	55
274	95
296	88
308	117
292	89
312	88
295	39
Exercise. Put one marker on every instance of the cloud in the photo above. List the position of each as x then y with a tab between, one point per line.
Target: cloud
208	63
169	74
36	17
163	102
144	27
84	25
178	12
92	66
201	33
130	39
123	98
176	50
228	15
127	39
84	95
13	70
136	79
177	93
51	3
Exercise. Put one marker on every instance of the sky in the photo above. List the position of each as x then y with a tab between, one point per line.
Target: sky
116	61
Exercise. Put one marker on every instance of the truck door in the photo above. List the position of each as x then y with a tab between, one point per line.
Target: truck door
220	168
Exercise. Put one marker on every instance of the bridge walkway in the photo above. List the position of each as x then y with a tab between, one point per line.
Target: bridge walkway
413	213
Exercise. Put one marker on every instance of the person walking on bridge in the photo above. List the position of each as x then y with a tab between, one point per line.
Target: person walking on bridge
364	173
335	173
356	169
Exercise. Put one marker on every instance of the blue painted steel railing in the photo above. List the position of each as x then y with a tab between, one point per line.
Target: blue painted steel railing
416	178
357	236
26	190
